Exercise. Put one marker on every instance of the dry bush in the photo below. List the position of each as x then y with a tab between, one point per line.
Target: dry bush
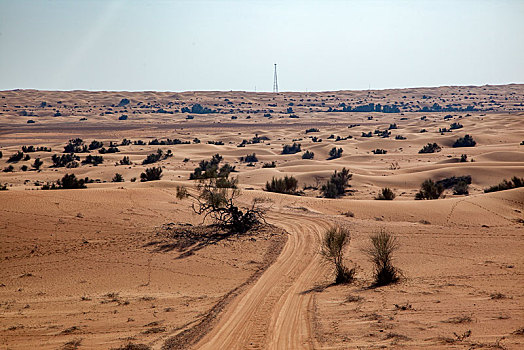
333	243
380	252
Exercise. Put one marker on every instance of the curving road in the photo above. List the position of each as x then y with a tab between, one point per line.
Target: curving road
274	313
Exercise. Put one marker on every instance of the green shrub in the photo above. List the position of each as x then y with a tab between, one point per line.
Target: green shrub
386	194
208	169
515	182
335	153
380	253
461	188
336	185
118	178
308	155
379	151
151	174
68	181
37	163
16	157
333	243
291	149
449	182
430	148
429	190
287	185
466	141
250	158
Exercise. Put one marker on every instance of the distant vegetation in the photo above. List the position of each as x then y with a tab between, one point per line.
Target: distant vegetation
466	141
158	156
250	158
506	185
429	190
291	149
308	155
151	174
335	153
69	181
287	185
269	165
430	148
65	160
379	151
337	184
386	194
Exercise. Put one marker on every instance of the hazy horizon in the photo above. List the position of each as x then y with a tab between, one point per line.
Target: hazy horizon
129	45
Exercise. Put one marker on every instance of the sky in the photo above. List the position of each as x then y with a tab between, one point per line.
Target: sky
136	45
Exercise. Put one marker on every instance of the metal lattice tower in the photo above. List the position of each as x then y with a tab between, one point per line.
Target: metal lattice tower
275	82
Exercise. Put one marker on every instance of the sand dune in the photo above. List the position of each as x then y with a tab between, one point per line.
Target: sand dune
97	266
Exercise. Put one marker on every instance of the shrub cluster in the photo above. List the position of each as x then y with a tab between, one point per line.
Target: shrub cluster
95	160
287	185
291	149
65	160
386	194
158	156
250	158
269	165
69	181
209	169
379	151
335	153
429	190
430	148
466	141
151	174
308	155
515	182
337	183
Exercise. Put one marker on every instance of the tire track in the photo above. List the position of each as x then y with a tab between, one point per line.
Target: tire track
275	313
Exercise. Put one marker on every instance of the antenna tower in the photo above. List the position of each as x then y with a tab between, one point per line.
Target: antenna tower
275	82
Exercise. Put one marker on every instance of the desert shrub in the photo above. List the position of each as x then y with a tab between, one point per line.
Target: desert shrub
24	167
1	154
291	149
422	131
27	157
466	141
380	253
95	145
400	137
37	163
76	146
210	169
461	188
454	126
123	117
386	194
337	183
308	155
110	149
333	243
118	178
125	161
151	174
463	158
250	158
312	130
197	108
3	187
430	148
158	156
65	160
269	165
449	182
367	134
335	153
18	156
9	169
133	179
393	126
515	182
226	182
123	102
429	190
95	160
219	205
125	142
68	181
287	184
379	151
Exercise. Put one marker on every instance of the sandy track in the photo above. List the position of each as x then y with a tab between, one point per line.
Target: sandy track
274	312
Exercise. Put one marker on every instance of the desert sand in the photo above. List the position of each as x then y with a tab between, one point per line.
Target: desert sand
95	268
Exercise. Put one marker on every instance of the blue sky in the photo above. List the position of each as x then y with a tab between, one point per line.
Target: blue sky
232	45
